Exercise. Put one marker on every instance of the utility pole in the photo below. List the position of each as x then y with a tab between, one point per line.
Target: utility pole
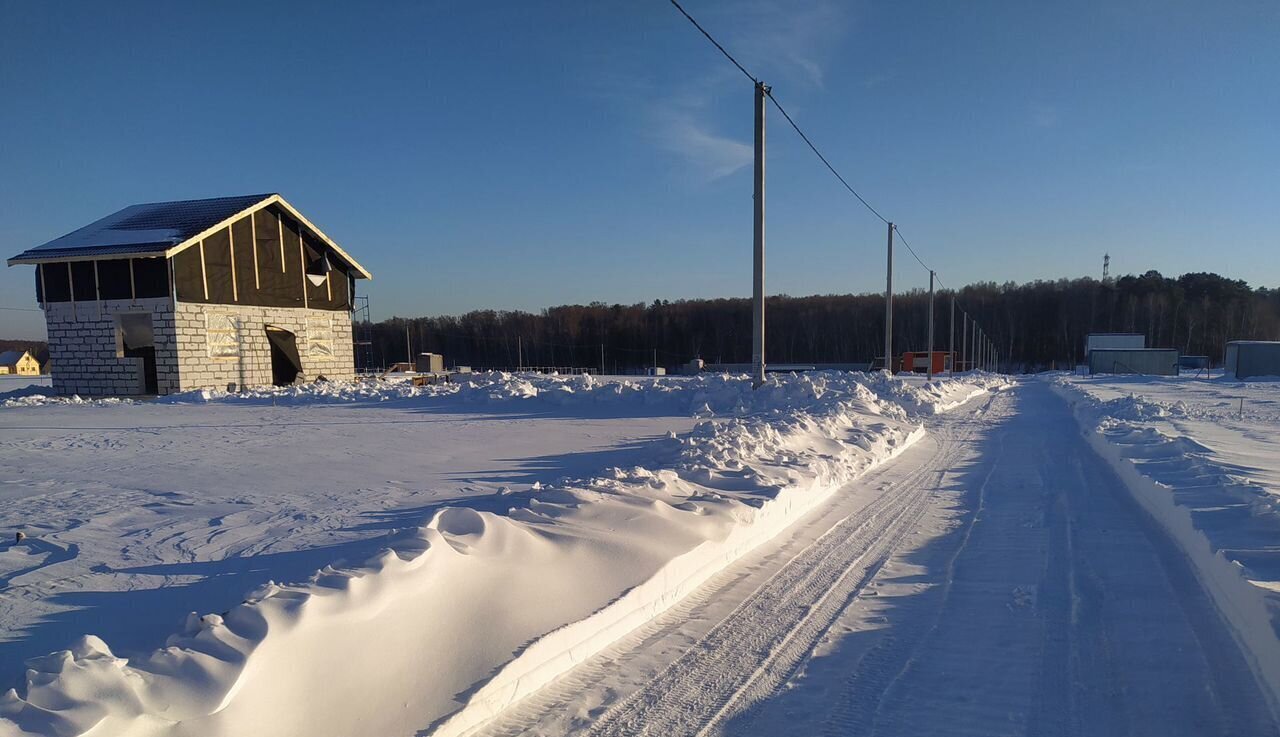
757	291
519	353
408	346
951	341
602	359
655	361
964	338
888	309
930	370
973	366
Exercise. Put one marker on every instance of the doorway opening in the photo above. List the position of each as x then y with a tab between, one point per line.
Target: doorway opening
135	339
286	366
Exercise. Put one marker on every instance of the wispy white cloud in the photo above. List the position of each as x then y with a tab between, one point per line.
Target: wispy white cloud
784	43
790	40
712	156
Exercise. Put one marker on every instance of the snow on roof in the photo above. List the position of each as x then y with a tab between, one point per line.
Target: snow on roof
147	228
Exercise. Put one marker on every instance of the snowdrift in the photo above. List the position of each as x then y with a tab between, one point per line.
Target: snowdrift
1225	521
475	610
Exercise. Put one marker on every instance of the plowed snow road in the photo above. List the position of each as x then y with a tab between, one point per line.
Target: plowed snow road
995	580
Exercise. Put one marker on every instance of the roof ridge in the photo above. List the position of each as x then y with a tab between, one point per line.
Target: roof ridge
258	197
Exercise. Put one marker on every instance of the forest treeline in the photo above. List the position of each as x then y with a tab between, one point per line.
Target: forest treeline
1037	325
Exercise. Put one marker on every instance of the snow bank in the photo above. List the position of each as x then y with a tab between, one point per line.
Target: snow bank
38	396
1225	521
705	394
919	396
475	610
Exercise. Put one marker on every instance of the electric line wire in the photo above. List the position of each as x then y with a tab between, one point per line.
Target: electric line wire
715	43
803	135
769	92
19	309
823	159
913	251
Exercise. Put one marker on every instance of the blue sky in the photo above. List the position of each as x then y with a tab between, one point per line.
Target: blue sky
520	155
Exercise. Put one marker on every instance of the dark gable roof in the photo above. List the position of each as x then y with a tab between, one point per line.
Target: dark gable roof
166	228
144	229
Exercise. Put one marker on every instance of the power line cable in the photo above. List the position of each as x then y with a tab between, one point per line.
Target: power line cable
912	250
774	100
823	159
716	43
799	131
809	142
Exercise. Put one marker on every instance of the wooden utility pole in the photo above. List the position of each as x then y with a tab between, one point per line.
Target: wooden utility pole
930	370
964	337
757	290
888	308
519	353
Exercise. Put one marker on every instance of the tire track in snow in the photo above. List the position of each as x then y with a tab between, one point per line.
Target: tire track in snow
752	652
1117	637
864	692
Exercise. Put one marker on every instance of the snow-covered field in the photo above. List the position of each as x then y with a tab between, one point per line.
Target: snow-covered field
1203	458
473	541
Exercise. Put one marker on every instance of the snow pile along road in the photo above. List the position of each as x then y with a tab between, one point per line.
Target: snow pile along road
1203	458
476	609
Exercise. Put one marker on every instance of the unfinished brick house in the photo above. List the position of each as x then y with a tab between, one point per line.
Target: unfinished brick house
175	296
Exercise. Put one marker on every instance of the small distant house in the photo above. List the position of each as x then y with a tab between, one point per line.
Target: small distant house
174	296
21	363
1248	359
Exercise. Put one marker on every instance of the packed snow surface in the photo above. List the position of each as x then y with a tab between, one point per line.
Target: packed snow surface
1203	457
997	578
474	540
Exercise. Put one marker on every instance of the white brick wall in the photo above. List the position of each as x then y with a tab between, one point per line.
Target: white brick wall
82	347
250	364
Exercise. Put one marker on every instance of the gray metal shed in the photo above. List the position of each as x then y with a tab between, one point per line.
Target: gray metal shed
1108	341
1252	358
1147	361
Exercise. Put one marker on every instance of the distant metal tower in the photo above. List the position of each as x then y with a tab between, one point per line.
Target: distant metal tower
362	332
1106	267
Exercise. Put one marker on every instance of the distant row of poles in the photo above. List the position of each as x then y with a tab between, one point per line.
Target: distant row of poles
978	349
